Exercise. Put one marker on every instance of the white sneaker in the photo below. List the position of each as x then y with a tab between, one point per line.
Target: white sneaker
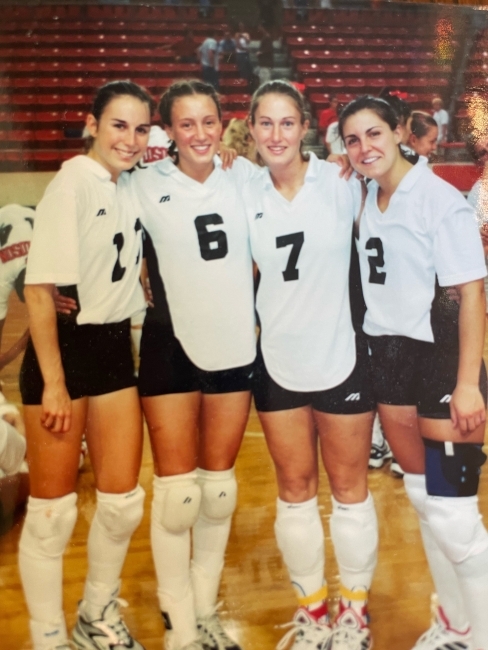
440	636
350	632
307	632
213	635
396	469
379	454
109	632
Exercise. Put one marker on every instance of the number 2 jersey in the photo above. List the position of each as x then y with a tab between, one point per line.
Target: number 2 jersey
428	231
303	251
88	233
199	260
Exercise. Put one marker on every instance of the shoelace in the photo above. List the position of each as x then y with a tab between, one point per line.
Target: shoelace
295	627
214	627
437	632
114	620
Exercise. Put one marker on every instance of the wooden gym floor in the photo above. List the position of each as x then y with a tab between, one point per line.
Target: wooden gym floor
255	591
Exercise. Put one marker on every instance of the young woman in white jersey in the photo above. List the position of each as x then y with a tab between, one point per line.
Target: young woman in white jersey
311	379
197	351
77	375
417	231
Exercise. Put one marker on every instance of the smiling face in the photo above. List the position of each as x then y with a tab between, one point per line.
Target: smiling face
278	130
196	129
371	144
425	144
121	134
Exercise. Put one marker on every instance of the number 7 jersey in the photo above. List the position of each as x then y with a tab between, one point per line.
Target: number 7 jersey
303	251
203	263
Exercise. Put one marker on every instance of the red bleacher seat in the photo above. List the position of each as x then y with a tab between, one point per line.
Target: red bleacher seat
239	101
41	160
232	85
461	175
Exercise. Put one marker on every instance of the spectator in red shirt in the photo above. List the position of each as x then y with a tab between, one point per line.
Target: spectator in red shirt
328	115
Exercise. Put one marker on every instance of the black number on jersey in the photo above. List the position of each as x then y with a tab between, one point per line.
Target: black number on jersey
294	240
5	231
119	270
213	243
137	227
376	261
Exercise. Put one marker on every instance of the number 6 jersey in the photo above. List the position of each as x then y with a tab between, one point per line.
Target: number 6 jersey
428	229
87	233
303	250
203	260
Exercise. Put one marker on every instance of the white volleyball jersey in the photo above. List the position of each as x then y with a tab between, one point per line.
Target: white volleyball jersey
303	251
16	224
428	229
200	236
158	145
88	233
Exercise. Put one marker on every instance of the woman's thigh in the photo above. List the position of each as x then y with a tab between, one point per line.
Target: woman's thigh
345	443
401	427
172	422
53	457
114	438
292	443
223	419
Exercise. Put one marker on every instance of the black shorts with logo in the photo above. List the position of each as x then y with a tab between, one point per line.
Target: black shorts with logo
166	369
352	397
408	372
97	359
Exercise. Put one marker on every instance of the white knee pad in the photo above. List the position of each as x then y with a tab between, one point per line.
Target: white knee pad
300	536
416	492
48	526
456	525
176	501
348	524
120	514
219	493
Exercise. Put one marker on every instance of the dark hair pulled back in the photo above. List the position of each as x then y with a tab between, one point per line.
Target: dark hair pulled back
421	123
111	90
184	88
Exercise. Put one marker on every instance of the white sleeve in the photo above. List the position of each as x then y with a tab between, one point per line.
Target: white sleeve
328	135
54	251
458	252
12	448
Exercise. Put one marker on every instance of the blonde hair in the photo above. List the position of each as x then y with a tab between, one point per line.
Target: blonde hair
238	137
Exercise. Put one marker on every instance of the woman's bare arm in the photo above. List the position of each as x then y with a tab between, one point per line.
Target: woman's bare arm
56	403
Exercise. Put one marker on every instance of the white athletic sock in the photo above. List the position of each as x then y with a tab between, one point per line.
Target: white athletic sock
47	529
45	636
472	574
111	529
300	537
171	551
210	537
354	532
442	571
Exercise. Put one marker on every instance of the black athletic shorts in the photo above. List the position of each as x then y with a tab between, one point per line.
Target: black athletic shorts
97	359
166	369
408	372
352	397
